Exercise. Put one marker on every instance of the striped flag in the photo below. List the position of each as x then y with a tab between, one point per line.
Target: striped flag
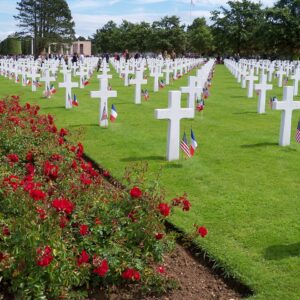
47	93
298	133
104	114
273	99
162	84
113	113
200	104
184	146
85	81
52	89
75	101
194	144
70	99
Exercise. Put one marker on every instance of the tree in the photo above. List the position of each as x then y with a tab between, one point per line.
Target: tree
168	34
108	38
237	29
199	36
283	28
46	21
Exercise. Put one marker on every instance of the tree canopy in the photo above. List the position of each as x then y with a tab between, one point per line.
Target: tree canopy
46	21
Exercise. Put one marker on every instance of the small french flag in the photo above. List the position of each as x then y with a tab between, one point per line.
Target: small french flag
75	101
194	144
113	114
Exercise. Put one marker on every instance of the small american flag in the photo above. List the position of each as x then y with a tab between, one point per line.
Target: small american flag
184	146
104	114
298	133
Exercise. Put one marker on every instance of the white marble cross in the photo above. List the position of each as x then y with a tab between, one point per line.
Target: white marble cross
192	90
174	113
17	72
243	76
287	105
262	87
138	81
156	74
82	73
24	77
68	85
280	74
126	73
168	71
33	75
47	79
251	78
103	94
296	78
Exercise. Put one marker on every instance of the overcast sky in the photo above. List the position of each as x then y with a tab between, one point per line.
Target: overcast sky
90	15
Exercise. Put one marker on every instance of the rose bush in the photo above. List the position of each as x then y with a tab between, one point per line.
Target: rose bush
64	227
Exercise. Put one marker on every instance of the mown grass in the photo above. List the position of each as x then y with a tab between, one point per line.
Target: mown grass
242	185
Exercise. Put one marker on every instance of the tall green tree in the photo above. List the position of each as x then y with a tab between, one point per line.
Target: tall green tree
199	36
283	28
46	21
237	27
108	38
168	34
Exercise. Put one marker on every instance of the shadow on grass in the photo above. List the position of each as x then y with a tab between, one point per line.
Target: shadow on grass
258	145
173	166
84	125
53	107
244	113
278	252
153	158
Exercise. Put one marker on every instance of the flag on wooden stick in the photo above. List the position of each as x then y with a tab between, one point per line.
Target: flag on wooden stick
184	146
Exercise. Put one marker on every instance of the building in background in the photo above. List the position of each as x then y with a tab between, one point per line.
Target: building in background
79	47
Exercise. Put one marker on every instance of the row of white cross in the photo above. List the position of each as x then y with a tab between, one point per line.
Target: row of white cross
287	105
174	113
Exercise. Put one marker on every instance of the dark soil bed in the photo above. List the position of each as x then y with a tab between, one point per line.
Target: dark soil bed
196	282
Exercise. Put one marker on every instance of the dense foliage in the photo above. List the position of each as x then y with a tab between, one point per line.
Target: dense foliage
238	28
63	226
46	21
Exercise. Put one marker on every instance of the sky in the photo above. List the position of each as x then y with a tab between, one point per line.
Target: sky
90	15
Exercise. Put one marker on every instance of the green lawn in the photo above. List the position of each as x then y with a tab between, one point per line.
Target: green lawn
242	185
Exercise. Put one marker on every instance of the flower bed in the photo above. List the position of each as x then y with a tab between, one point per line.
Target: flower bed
65	229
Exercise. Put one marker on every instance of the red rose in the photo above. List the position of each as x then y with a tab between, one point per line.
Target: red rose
102	269
63	205
63	132
83	229
106	174
186	205
202	231
37	195
135	192
85	179
5	231
164	209
50	170
44	256
13	158
29	156
159	236
60	141
42	213
83	258
131	274
30	169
